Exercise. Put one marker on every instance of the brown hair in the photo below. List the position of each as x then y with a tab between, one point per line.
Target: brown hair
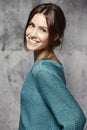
55	20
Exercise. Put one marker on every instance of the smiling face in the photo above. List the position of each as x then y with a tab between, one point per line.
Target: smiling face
37	34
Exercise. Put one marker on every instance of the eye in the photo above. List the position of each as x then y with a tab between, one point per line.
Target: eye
43	30
31	25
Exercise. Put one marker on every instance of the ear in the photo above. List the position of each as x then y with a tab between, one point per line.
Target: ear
56	37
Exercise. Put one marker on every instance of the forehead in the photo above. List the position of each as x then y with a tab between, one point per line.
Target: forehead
39	19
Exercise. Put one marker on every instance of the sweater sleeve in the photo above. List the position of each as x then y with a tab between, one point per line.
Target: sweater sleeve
62	104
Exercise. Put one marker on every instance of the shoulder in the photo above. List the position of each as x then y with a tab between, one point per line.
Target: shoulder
48	66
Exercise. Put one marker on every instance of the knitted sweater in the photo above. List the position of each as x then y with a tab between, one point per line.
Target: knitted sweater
46	103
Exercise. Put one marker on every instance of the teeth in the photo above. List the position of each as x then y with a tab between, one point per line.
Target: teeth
33	41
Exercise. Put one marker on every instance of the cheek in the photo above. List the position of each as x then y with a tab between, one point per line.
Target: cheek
27	31
44	38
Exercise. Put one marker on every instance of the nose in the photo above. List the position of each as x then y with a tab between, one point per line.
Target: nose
34	33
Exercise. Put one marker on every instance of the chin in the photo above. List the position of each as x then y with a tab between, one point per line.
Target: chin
36	48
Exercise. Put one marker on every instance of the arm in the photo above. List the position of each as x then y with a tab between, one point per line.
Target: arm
62	104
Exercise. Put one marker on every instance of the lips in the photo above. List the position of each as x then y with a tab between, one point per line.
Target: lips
32	42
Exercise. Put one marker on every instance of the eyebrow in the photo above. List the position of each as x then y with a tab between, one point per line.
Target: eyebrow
39	26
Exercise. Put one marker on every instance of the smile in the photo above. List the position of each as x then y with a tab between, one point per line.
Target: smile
33	42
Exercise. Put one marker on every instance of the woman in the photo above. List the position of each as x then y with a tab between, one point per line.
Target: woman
46	103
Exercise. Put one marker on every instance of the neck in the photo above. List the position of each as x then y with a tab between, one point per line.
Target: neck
43	54
49	54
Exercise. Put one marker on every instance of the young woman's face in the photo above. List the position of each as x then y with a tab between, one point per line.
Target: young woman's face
37	35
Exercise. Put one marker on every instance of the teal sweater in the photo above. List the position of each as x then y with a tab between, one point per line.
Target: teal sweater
46	103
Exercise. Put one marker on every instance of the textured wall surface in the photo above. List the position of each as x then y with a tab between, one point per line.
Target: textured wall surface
15	61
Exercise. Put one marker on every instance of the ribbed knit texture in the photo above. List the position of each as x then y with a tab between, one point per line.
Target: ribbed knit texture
46	103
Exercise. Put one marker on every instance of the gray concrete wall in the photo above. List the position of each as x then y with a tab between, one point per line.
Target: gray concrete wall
15	61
